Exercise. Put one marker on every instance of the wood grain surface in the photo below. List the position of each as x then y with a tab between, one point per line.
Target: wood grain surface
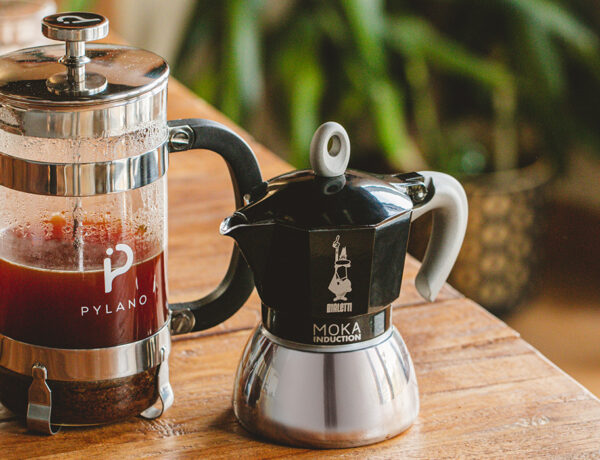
485	393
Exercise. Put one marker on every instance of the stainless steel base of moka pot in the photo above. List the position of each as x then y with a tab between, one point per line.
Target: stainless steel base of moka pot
326	396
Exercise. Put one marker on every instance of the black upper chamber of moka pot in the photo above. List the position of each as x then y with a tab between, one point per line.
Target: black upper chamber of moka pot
327	248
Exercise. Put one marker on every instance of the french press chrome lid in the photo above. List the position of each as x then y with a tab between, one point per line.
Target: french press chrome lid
80	90
82	119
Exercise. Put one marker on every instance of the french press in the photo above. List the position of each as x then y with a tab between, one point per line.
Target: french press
84	148
326	367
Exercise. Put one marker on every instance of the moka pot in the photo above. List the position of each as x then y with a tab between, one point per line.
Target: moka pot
326	367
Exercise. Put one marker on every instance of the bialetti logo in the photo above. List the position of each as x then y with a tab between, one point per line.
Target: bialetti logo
340	284
337	332
109	274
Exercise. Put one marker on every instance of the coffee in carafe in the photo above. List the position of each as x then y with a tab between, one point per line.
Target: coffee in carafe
84	149
119	297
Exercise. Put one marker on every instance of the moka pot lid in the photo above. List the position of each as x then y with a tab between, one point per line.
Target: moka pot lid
328	195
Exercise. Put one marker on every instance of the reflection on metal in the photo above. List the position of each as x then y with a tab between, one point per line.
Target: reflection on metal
86	365
182	321
83	179
180	138
39	408
75	29
334	399
55	364
165	392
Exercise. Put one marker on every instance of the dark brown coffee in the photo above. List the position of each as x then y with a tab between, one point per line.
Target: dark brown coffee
94	286
122	302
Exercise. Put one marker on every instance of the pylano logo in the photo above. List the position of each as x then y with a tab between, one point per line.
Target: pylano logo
118	305
109	273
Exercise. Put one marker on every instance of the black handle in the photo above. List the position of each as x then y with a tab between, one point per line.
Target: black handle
238	283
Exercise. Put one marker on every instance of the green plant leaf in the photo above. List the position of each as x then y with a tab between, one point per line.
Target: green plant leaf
78	5
417	40
558	21
331	23
242	86
506	144
367	21
206	86
544	59
412	36
197	58
303	80
390	126
424	108
306	93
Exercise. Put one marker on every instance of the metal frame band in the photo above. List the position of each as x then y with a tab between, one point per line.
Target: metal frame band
326	332
83	179
87	364
327	348
83	118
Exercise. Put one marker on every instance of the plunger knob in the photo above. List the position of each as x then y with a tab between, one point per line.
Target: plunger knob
75	29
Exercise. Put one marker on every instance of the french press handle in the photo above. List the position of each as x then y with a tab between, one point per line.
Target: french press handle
238	283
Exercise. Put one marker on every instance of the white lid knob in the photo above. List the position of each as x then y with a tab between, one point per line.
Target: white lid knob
330	150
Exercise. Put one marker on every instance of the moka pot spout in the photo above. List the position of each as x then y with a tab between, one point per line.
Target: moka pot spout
253	240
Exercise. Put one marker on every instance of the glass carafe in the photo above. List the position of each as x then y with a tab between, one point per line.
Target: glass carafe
84	144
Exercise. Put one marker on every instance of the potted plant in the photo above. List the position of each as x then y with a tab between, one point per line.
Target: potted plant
476	89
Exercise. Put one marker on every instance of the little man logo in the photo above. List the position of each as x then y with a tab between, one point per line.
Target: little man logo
340	283
109	273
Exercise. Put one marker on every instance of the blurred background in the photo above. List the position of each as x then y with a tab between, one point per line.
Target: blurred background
504	94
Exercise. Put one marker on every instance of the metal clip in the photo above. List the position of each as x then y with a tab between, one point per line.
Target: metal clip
165	392
39	408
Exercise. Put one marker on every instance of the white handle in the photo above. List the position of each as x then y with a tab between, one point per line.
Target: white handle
450	213
330	150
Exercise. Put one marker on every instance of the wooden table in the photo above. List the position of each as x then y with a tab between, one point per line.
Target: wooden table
484	391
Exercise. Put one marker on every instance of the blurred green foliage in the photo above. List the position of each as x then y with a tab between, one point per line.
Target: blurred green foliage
76	5
405	78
